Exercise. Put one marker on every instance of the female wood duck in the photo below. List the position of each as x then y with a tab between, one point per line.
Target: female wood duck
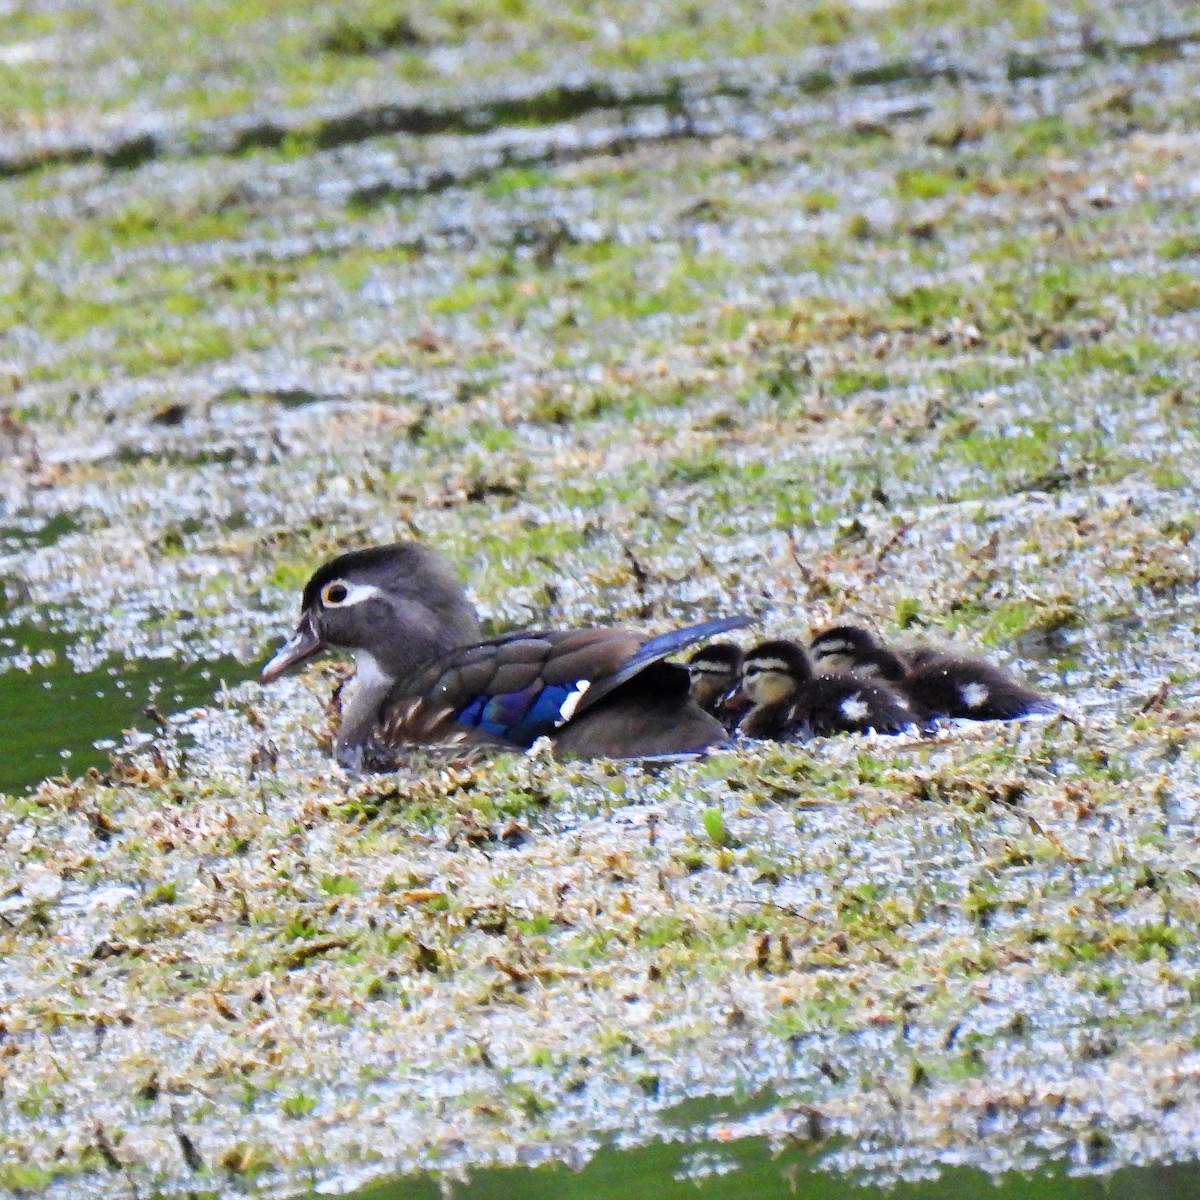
714	670
789	700
934	680
423	675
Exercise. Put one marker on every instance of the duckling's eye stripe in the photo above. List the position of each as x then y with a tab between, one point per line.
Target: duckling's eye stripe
834	647
355	593
703	668
768	664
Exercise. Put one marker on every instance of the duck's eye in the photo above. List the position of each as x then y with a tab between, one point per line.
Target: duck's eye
335	594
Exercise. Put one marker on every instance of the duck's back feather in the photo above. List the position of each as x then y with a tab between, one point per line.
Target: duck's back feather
521	686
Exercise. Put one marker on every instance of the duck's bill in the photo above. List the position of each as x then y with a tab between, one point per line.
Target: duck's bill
303	644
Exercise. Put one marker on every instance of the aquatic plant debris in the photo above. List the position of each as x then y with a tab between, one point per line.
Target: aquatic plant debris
823	312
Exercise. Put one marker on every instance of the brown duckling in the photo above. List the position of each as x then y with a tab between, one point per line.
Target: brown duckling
789	700
935	681
714	670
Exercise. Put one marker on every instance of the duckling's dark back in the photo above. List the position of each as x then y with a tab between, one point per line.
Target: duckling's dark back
953	686
935	681
847	704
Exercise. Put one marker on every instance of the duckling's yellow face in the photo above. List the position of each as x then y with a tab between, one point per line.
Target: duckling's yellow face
836	656
835	662
767	681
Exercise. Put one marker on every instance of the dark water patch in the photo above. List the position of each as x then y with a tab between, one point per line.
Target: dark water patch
1027	66
51	717
130	153
545	102
120	152
285	397
223	456
352	38
27	535
1157	48
543	106
429	180
901	70
749	1170
170	416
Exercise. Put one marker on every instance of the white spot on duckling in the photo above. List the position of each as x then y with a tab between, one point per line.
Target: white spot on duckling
974	695
854	708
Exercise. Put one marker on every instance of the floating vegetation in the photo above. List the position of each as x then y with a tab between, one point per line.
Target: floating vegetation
779	312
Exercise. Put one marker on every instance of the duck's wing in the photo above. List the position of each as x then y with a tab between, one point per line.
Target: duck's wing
654	650
522	686
513	689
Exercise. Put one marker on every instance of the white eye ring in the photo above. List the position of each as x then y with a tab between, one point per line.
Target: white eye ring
340	594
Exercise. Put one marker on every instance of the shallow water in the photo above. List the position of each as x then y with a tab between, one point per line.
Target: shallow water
681	1172
55	719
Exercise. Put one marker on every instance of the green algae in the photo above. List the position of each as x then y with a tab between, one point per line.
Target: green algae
849	331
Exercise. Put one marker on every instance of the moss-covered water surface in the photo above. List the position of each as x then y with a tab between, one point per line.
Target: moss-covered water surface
639	313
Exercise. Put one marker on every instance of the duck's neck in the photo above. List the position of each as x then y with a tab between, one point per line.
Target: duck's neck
361	701
420	638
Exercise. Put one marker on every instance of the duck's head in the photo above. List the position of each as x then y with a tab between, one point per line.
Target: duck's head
847	649
394	607
774	672
714	670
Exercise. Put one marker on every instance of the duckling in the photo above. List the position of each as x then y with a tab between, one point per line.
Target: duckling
423	675
714	670
935	681
789	700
